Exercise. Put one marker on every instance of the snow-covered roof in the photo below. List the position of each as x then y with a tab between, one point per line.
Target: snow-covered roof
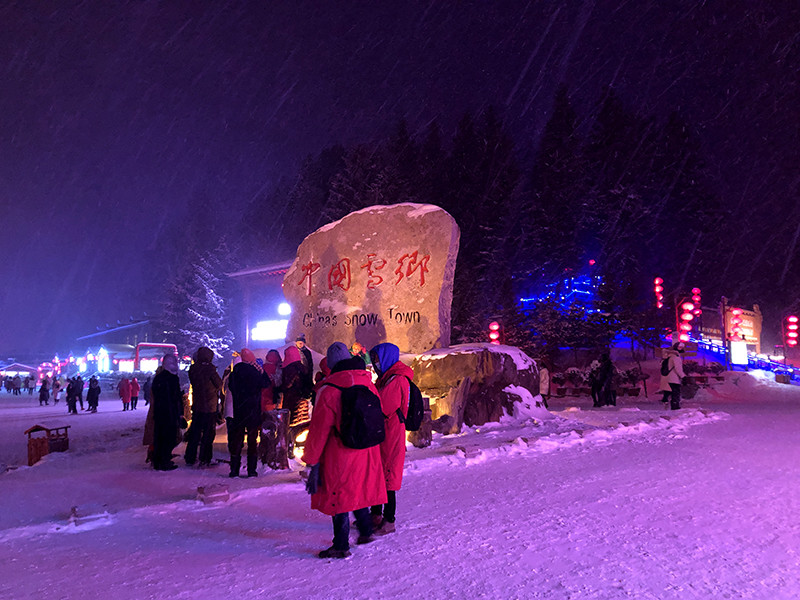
266	270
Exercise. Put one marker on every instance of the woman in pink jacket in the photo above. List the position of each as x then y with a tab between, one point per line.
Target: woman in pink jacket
349	479
393	388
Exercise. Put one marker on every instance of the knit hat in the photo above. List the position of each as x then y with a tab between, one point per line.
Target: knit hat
337	351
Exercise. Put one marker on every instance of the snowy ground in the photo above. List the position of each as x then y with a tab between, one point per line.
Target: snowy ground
626	502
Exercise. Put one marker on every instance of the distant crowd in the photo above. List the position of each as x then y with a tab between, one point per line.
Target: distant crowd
355	449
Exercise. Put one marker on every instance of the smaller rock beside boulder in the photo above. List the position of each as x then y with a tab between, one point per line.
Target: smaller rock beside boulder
471	383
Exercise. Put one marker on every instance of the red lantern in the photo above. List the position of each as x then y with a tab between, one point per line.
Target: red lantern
495	332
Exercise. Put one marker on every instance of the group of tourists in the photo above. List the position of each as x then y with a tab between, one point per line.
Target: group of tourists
17	385
52	389
254	394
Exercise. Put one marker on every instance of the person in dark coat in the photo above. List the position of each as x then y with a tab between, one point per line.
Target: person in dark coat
293	381
72	397
206	385
146	390
93	394
308	366
44	392
606	396
245	383
167	412
79	389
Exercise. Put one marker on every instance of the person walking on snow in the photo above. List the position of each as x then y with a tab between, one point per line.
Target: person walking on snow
93	394
124	389
134	393
393	388
341	479
44	392
670	383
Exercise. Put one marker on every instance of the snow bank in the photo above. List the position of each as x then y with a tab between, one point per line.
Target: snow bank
521	360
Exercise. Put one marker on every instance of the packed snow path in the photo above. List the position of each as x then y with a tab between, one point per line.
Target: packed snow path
610	503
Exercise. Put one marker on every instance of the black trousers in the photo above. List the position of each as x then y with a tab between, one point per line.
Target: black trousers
201	433
237	431
675	399
164	437
389	509
341	527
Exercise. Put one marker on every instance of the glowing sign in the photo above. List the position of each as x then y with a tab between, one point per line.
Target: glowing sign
738	353
273	330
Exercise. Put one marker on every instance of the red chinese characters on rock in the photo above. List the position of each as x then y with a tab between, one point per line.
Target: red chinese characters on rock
340	275
414	263
371	266
308	270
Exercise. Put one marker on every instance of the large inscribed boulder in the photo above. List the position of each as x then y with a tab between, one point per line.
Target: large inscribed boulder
381	274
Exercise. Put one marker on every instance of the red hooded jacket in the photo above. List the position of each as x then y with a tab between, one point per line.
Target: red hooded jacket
350	479
124	388
393	388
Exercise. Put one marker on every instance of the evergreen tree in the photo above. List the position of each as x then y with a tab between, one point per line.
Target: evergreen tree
194	310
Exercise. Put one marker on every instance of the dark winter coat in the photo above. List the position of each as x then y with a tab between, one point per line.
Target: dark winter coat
167	405
350	479
605	381
245	383
206	382
93	393
393	389
293	385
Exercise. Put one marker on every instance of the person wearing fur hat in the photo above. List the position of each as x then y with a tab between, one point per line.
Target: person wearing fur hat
246	381
167	409
393	388
341	479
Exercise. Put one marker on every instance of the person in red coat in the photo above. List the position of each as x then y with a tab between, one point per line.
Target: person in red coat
393	389
124	388
348	479
134	393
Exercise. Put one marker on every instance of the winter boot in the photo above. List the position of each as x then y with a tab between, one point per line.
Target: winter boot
236	464
334	553
386	527
252	466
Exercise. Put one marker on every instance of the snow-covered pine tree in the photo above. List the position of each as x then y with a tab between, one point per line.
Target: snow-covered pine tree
194	312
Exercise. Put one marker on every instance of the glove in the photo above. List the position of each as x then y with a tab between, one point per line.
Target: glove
182	423
313	481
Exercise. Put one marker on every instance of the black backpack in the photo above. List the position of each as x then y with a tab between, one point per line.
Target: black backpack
416	408
665	367
362	418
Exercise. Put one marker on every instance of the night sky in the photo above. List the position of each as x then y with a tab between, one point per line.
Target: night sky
116	116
